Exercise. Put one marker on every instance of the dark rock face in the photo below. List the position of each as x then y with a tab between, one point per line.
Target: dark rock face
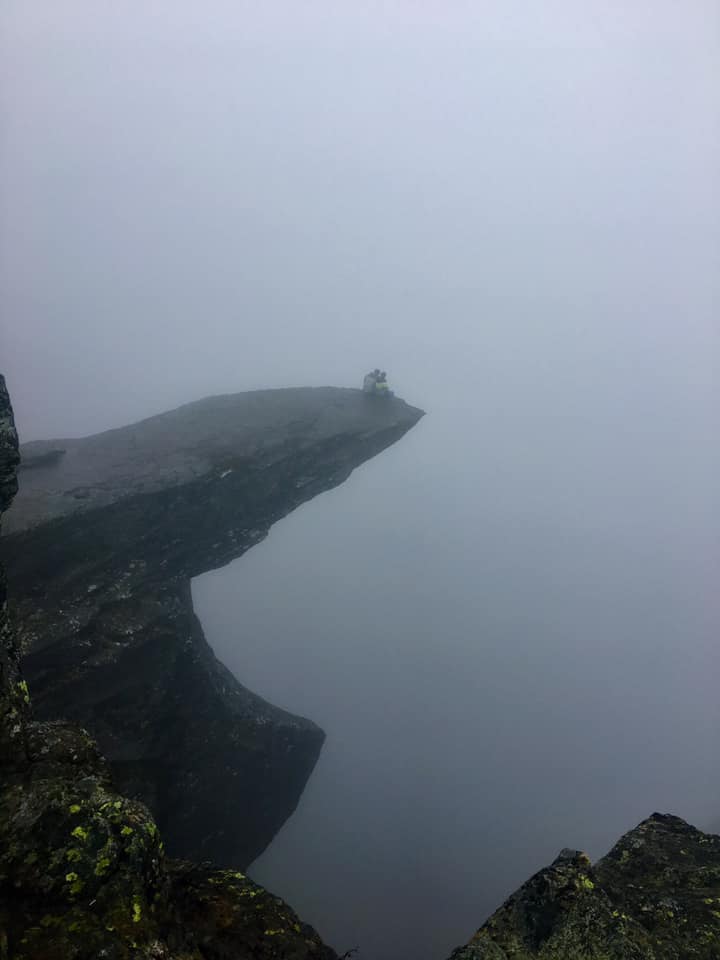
82	869
83	873
13	692
103	539
655	896
9	456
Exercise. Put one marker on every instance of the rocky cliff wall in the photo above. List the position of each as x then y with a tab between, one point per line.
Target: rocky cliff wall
103	540
83	872
13	694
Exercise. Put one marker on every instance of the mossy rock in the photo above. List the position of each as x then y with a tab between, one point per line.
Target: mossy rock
655	896
83	873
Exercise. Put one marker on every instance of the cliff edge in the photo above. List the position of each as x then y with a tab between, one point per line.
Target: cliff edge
83	872
102	541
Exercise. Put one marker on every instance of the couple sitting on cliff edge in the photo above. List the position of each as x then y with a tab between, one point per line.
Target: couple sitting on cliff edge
375	384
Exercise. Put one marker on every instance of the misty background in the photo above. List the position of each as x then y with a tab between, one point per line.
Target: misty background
507	624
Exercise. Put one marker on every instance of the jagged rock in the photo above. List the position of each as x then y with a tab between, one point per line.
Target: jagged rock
238	918
655	896
103	539
83	874
9	456
14	697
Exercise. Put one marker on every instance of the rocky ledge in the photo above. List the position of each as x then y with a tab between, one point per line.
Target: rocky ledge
102	541
655	896
83	873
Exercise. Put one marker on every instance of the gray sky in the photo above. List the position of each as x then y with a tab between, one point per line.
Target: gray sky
508	623
213	196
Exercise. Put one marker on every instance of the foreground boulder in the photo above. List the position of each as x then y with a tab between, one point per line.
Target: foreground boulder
83	872
103	540
655	896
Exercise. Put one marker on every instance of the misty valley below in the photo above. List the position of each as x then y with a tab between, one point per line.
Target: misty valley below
501	629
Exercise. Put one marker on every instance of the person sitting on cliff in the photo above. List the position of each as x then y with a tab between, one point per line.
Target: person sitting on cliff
381	385
370	381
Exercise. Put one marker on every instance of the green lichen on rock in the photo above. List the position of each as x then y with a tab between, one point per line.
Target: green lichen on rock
243	917
106	889
60	877
103	540
651	898
83	874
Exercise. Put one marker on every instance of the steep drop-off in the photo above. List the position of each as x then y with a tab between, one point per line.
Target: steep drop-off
83	873
103	539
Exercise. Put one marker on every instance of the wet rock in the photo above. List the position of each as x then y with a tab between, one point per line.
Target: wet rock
14	696
9	455
102	544
83	873
655	896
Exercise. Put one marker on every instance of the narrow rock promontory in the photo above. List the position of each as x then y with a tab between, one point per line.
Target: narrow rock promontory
83	872
102	541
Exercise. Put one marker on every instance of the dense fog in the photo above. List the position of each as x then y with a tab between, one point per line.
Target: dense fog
506	624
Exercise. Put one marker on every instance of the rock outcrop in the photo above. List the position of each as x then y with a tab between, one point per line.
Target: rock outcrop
13	693
83	873
655	896
102	542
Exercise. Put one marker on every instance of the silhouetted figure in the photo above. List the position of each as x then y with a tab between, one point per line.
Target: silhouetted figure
381	385
375	384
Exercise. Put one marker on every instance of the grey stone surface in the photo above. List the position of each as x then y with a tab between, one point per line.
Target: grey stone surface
103	542
655	896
